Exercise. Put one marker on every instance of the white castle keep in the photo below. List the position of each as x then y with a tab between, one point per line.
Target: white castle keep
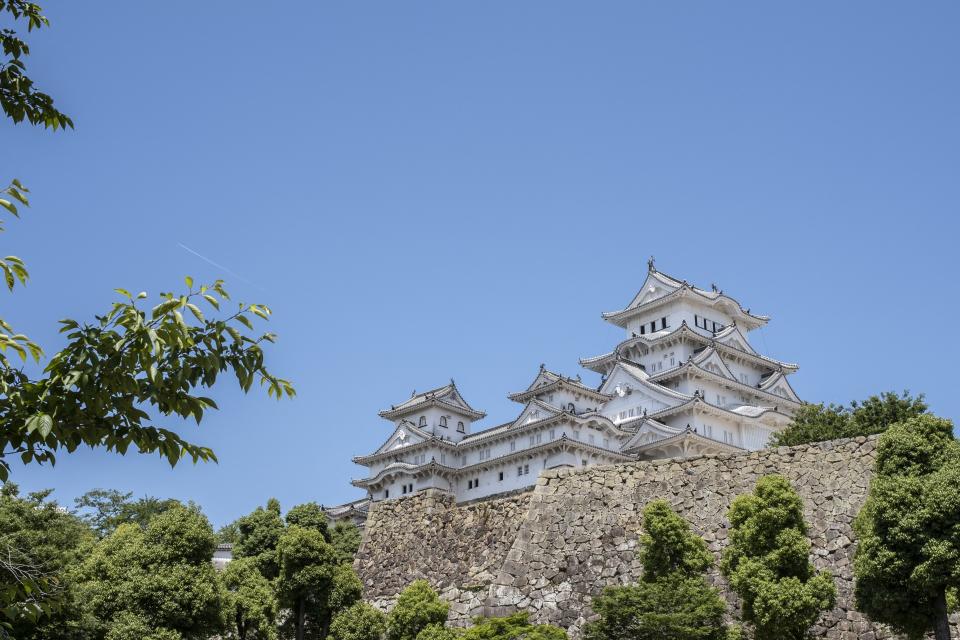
684	382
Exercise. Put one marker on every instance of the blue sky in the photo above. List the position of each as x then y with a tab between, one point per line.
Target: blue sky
426	190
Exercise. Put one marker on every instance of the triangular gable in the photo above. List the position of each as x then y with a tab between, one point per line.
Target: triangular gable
544	377
710	360
778	385
534	412
649	431
655	286
631	377
733	337
452	396
403	436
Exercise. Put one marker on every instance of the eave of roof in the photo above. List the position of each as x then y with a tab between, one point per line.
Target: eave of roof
689	366
596	363
399	412
689	434
579	387
620	317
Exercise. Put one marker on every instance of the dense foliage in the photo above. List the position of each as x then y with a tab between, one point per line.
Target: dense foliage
250	604
515	627
768	563
305	583
39	542
359	622
257	535
672	599
106	509
160	577
908	558
418	606
817	422
345	538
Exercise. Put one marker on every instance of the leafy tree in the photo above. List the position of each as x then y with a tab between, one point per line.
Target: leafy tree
908	557
672	599
345	538
19	98
309	515
816	422
359	622
768	563
106	509
417	607
159	578
250	604
129	626
39	543
229	533
306	580
257	536
346	589
515	627
438	632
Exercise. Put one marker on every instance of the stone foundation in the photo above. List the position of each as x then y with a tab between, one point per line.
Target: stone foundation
550	551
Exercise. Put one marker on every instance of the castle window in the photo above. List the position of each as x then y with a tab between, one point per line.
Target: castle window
571	408
606	443
519	471
643	329
443	421
553	434
501	476
526	469
423	421
386	494
460	427
590	438
513	445
663	322
653	326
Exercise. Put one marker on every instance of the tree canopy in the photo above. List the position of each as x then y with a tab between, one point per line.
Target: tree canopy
817	422
417	607
159	578
250	604
908	557
672	599
106	509
307	570
19	98
514	627
768	563
39	542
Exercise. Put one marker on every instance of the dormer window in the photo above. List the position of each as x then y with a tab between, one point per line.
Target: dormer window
460	427
423	421
443	421
570	407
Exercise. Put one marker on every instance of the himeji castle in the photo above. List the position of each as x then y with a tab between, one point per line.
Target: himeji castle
684	381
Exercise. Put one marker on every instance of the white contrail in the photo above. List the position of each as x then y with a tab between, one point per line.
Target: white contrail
218	265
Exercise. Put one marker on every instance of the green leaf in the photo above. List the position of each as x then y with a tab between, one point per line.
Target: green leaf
45	425
195	311
189	282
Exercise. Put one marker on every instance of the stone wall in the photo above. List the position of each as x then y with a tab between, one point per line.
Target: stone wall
550	551
459	549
